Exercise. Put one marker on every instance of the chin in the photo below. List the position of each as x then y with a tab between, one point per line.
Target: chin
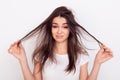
60	40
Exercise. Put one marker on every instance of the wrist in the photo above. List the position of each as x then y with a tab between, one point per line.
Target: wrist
98	64
23	60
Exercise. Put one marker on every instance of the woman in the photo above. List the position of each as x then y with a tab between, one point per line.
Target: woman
60	53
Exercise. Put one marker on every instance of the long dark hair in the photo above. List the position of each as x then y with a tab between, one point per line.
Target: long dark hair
45	41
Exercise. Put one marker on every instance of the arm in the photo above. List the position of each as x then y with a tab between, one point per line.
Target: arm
102	56
19	52
26	70
37	74
94	73
84	72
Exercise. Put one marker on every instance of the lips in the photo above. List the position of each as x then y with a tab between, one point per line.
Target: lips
58	36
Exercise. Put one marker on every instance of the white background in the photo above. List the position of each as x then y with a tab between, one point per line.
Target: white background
100	17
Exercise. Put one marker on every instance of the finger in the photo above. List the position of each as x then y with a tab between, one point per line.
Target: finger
107	55
103	45
111	54
9	50
106	49
101	50
21	46
13	48
106	59
17	44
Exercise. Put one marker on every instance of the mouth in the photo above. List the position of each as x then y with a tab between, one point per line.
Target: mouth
59	36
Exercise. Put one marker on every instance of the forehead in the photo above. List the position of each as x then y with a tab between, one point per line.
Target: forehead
59	20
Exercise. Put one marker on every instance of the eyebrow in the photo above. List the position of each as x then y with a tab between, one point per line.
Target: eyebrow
63	23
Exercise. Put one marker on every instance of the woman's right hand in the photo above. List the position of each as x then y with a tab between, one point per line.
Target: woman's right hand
17	50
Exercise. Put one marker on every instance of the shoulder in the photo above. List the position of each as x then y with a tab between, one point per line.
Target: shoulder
83	58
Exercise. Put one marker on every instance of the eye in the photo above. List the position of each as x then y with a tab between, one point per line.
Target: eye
54	26
65	27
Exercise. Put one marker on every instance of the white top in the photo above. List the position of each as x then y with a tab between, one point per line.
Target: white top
56	71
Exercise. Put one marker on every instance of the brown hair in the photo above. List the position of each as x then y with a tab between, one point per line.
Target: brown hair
45	41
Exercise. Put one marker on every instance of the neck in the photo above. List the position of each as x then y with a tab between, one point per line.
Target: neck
60	48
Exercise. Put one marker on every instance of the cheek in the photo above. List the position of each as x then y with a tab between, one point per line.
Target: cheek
67	33
53	31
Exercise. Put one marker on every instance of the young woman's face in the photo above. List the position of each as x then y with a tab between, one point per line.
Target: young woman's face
60	29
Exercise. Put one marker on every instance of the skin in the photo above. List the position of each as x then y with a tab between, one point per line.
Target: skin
60	32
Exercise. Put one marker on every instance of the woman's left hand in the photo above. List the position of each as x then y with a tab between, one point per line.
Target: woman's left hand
103	55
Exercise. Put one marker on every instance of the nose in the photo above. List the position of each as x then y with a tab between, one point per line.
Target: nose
59	30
